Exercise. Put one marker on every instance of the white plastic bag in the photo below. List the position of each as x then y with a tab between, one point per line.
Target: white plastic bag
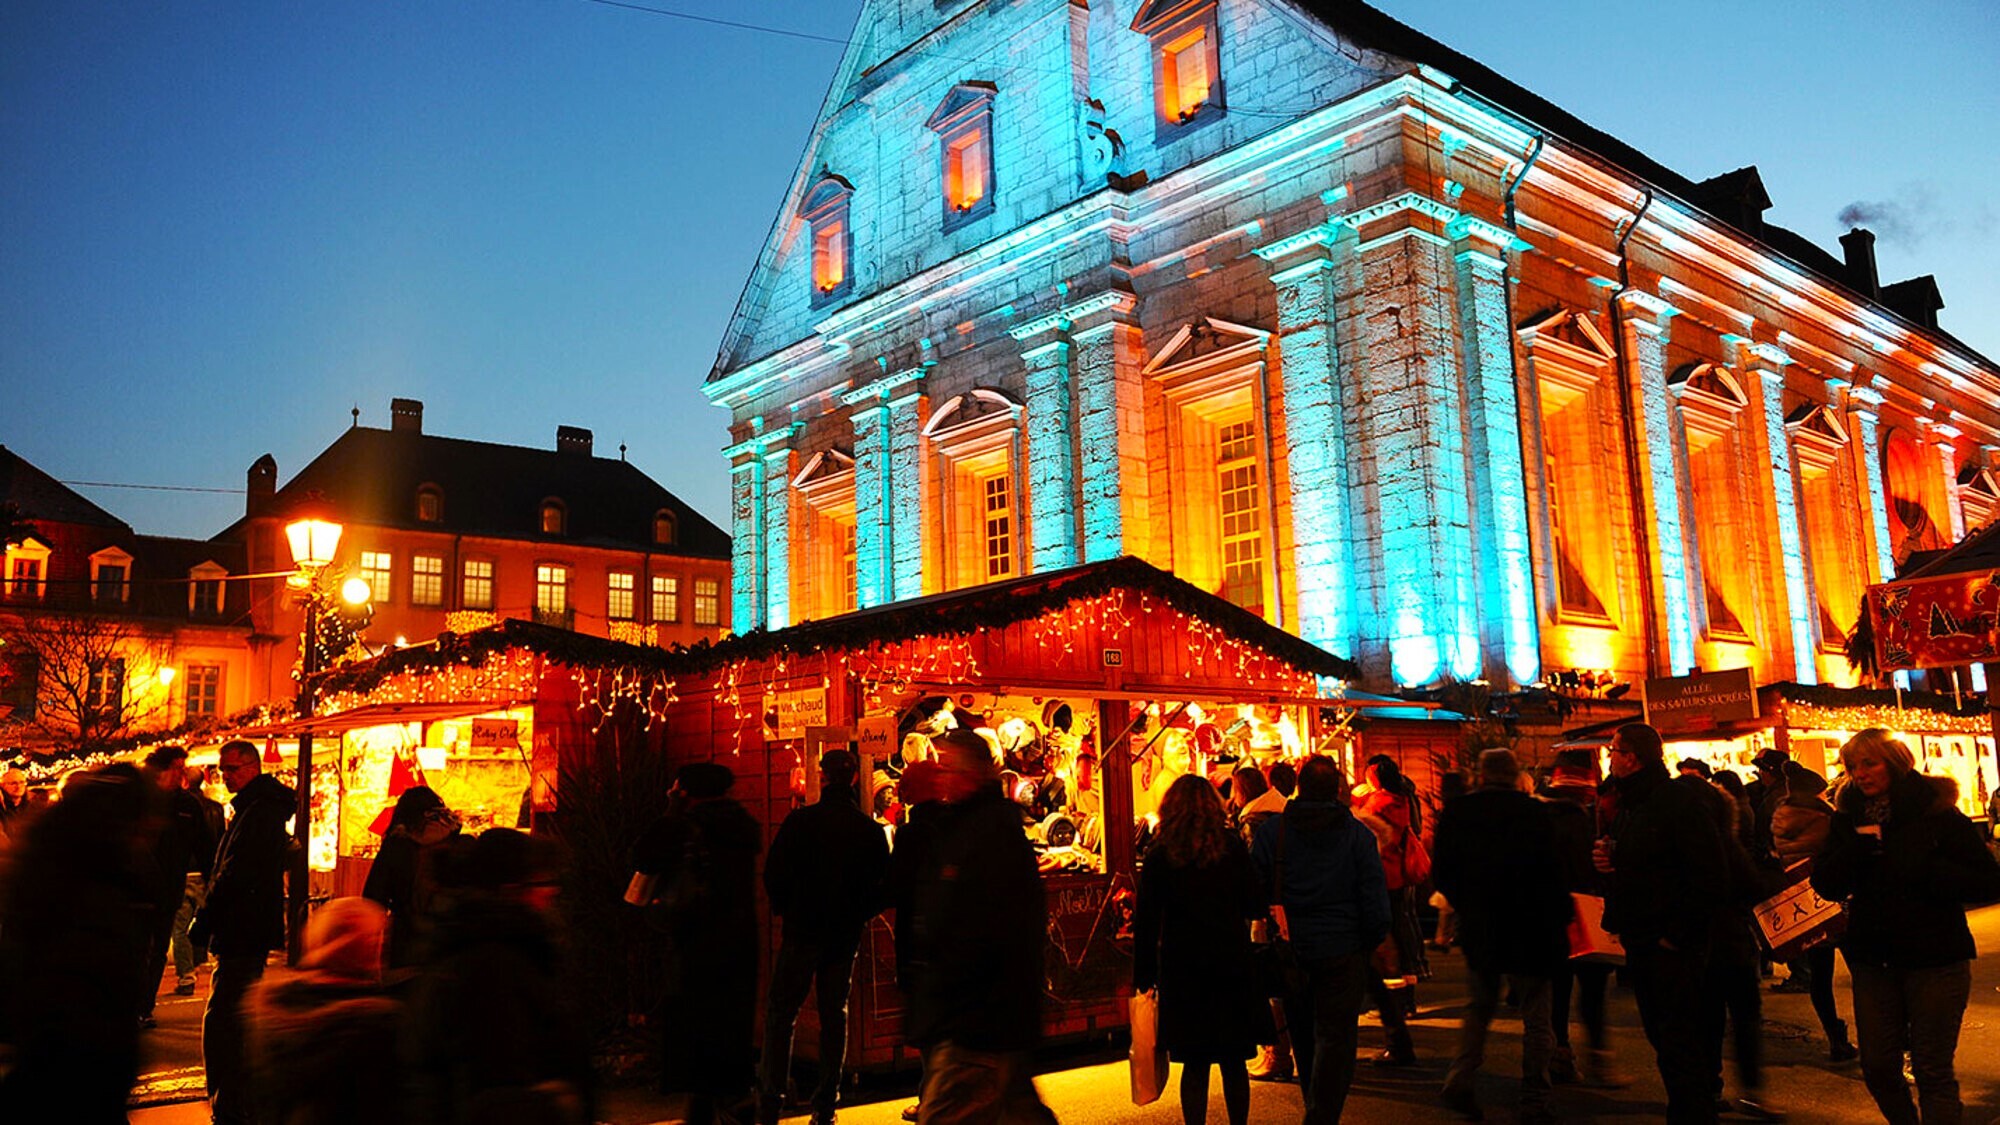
1149	1056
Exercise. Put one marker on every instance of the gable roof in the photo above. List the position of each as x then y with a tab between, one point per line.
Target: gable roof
371	476
40	496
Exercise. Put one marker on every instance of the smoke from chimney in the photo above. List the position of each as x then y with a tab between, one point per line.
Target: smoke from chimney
1908	219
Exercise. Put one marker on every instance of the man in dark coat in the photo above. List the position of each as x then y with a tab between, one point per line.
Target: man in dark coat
1667	882
243	919
703	856
824	877
977	936
183	849
1498	863
1324	869
1573	807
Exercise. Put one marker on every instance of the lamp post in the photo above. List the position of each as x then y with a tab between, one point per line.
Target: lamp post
314	536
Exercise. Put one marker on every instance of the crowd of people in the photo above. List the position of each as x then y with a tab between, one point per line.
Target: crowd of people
1273	908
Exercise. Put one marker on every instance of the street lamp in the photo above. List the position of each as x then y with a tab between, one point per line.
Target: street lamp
314	536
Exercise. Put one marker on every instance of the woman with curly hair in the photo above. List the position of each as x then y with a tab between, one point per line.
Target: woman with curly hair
1906	862
1197	895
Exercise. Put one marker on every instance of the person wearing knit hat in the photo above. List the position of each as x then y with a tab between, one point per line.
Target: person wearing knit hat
322	1037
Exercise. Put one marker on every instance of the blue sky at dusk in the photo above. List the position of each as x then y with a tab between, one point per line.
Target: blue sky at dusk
223	224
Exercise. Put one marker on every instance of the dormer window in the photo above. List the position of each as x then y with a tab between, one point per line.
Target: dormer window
555	517
430	504
664	526
205	590
110	577
825	213
27	573
964	125
1187	62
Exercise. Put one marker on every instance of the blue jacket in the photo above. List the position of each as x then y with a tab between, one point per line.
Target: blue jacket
1335	896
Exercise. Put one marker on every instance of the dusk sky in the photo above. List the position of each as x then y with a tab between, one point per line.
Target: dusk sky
224	224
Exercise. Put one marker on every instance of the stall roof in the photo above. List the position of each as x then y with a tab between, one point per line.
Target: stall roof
958	613
1813	695
372	715
1976	553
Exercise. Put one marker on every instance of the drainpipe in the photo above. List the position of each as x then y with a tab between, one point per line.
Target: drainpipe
1641	531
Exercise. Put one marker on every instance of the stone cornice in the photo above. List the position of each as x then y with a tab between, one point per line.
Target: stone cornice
881	388
1116	300
1388	208
1473	227
758	443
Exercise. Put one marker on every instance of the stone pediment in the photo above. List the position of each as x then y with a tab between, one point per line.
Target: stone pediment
1209	342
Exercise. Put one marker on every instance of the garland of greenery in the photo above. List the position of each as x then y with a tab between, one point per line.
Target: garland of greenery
957	614
1821	695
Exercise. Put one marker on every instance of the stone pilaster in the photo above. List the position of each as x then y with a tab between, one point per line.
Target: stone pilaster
1316	441
1943	437
1051	457
885	414
746	542
1789	586
906	493
1506	562
1866	402
1661	475
777	473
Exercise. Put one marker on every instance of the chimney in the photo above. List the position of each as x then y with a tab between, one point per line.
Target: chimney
406	415
261	484
1859	247
1916	300
573	439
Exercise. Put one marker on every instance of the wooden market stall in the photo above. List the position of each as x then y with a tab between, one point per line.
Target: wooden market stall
1098	685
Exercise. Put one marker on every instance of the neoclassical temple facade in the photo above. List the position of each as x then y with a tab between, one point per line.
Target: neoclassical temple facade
1326	317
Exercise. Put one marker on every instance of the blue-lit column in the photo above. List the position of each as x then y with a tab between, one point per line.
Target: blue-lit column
1943	437
1315	438
886	469
1660	476
1111	426
1767	371
746	542
1412	465
777	473
1051	454
1866	403
1500	479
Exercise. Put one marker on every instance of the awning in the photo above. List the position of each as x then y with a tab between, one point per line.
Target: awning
373	715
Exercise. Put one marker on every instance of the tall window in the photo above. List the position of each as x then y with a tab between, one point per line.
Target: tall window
664	528
104	691
427	580
999	501
476	586
823	575
555	517
964	125
1572	363
849	572
551	589
430	504
666	599
204	690
1242	515
826	215
619	597
1829	511
707	601
375	570
1712	402
1187	62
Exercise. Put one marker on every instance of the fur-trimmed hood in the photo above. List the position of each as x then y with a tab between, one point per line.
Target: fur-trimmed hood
1910	796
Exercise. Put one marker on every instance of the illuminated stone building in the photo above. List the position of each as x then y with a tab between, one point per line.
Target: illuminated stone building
1322	315
455	535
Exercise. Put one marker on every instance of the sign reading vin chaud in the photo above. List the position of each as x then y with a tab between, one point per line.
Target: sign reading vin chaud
1703	701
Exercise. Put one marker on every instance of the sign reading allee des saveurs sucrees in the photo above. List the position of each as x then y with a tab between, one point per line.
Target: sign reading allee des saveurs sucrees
1702	701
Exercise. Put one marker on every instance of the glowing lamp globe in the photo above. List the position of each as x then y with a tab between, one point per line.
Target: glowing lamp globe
356	591
314	539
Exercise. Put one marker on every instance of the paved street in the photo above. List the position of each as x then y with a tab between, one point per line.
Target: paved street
1800	1080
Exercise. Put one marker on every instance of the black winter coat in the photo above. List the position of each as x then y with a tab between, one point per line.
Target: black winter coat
322	1050
1669	876
978	931
185	844
1497	861
825	869
1573	812
402	880
1191	938
1906	893
245	911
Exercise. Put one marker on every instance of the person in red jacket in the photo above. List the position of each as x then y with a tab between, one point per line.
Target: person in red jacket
1391	798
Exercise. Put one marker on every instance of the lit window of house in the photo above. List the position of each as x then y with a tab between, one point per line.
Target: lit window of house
375	570
1242	515
555	517
203	694
104	689
552	594
476	586
27	570
619	596
1187	61
1572	364
707	601
205	590
1712	402
964	125
430	504
664	528
427	580
1830	508
110	576
976	438
666	605
826	216
823	571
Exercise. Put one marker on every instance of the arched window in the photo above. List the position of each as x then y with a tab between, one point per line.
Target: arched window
430	504
976	439
825	212
555	517
664	527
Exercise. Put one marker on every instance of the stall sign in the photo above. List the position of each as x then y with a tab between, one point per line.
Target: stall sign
1797	918
1703	701
787	714
1936	622
875	737
496	732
